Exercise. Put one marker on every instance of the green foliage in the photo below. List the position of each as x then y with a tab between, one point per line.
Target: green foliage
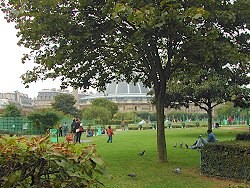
105	103
217	67
36	162
125	116
147	115
179	115
91	43
226	160
11	110
65	103
101	115
204	88
227	109
242	100
44	119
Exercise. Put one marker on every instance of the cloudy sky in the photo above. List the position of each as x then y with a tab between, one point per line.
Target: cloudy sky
11	67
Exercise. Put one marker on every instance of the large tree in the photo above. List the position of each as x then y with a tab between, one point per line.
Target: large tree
90	43
216	58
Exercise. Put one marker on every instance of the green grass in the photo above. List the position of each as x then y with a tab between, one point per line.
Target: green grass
121	158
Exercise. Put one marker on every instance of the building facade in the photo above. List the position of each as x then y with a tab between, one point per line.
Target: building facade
19	99
46	97
128	97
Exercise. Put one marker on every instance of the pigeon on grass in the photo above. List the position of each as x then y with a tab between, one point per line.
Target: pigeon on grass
132	175
141	153
177	170
181	145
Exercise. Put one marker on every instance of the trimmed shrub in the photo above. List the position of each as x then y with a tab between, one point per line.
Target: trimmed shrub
244	136
229	160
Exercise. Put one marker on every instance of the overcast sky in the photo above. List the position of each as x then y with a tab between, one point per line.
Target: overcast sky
11	67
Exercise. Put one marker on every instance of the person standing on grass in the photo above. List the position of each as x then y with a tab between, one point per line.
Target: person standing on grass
65	129
78	131
73	129
60	131
110	134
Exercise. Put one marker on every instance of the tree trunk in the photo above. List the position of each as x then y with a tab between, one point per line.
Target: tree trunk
161	141
210	117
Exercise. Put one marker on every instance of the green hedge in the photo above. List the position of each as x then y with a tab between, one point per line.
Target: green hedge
184	124
243	136
168	125
229	160
136	127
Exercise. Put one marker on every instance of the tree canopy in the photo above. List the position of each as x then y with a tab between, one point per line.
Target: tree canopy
65	103
242	99
227	110
11	110
91	43
44	119
105	103
99	114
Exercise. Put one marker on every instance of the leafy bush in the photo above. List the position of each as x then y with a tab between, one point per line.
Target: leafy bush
36	162
43	119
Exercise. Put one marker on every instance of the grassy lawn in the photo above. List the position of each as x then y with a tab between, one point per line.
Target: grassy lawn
122	158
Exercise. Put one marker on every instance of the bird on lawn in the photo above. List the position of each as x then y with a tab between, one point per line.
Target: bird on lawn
141	153
181	145
175	145
186	146
177	170
132	175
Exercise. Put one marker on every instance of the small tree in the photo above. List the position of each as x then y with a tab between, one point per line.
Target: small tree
11	110
105	103
65	103
99	114
45	118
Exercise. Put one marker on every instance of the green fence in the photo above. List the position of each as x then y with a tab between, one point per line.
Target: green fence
17	125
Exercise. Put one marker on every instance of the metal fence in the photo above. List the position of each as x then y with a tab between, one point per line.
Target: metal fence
23	126
18	125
